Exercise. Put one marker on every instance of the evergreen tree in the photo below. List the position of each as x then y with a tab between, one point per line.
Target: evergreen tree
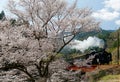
2	15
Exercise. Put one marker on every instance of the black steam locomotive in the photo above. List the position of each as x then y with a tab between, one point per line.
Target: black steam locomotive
100	57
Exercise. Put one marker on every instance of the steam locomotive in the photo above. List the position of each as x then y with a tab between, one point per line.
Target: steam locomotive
100	58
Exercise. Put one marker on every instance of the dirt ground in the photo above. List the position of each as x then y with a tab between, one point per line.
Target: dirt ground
105	67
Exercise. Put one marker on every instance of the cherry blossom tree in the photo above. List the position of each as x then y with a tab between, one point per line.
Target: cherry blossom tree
42	29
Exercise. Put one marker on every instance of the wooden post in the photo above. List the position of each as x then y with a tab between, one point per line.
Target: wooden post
118	47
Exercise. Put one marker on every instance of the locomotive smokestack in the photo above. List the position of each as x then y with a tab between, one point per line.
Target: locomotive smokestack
105	45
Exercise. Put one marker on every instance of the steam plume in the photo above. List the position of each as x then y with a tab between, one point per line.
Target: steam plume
85	44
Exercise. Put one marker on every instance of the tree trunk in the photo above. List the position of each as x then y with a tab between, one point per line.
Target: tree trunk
41	80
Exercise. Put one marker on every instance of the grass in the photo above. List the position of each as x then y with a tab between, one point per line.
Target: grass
105	73
110	78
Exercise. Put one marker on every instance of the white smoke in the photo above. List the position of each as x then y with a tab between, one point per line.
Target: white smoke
85	44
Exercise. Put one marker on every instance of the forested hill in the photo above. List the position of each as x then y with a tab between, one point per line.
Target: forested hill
109	36
101	34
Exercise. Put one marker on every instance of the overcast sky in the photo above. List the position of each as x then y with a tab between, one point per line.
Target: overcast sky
106	11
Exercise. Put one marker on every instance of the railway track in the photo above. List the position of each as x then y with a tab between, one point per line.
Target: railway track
91	68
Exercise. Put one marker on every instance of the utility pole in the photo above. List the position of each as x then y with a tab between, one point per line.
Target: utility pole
118	47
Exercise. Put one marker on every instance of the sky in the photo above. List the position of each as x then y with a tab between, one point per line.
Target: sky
105	11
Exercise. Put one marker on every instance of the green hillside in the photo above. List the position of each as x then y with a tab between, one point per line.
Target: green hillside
109	36
101	34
